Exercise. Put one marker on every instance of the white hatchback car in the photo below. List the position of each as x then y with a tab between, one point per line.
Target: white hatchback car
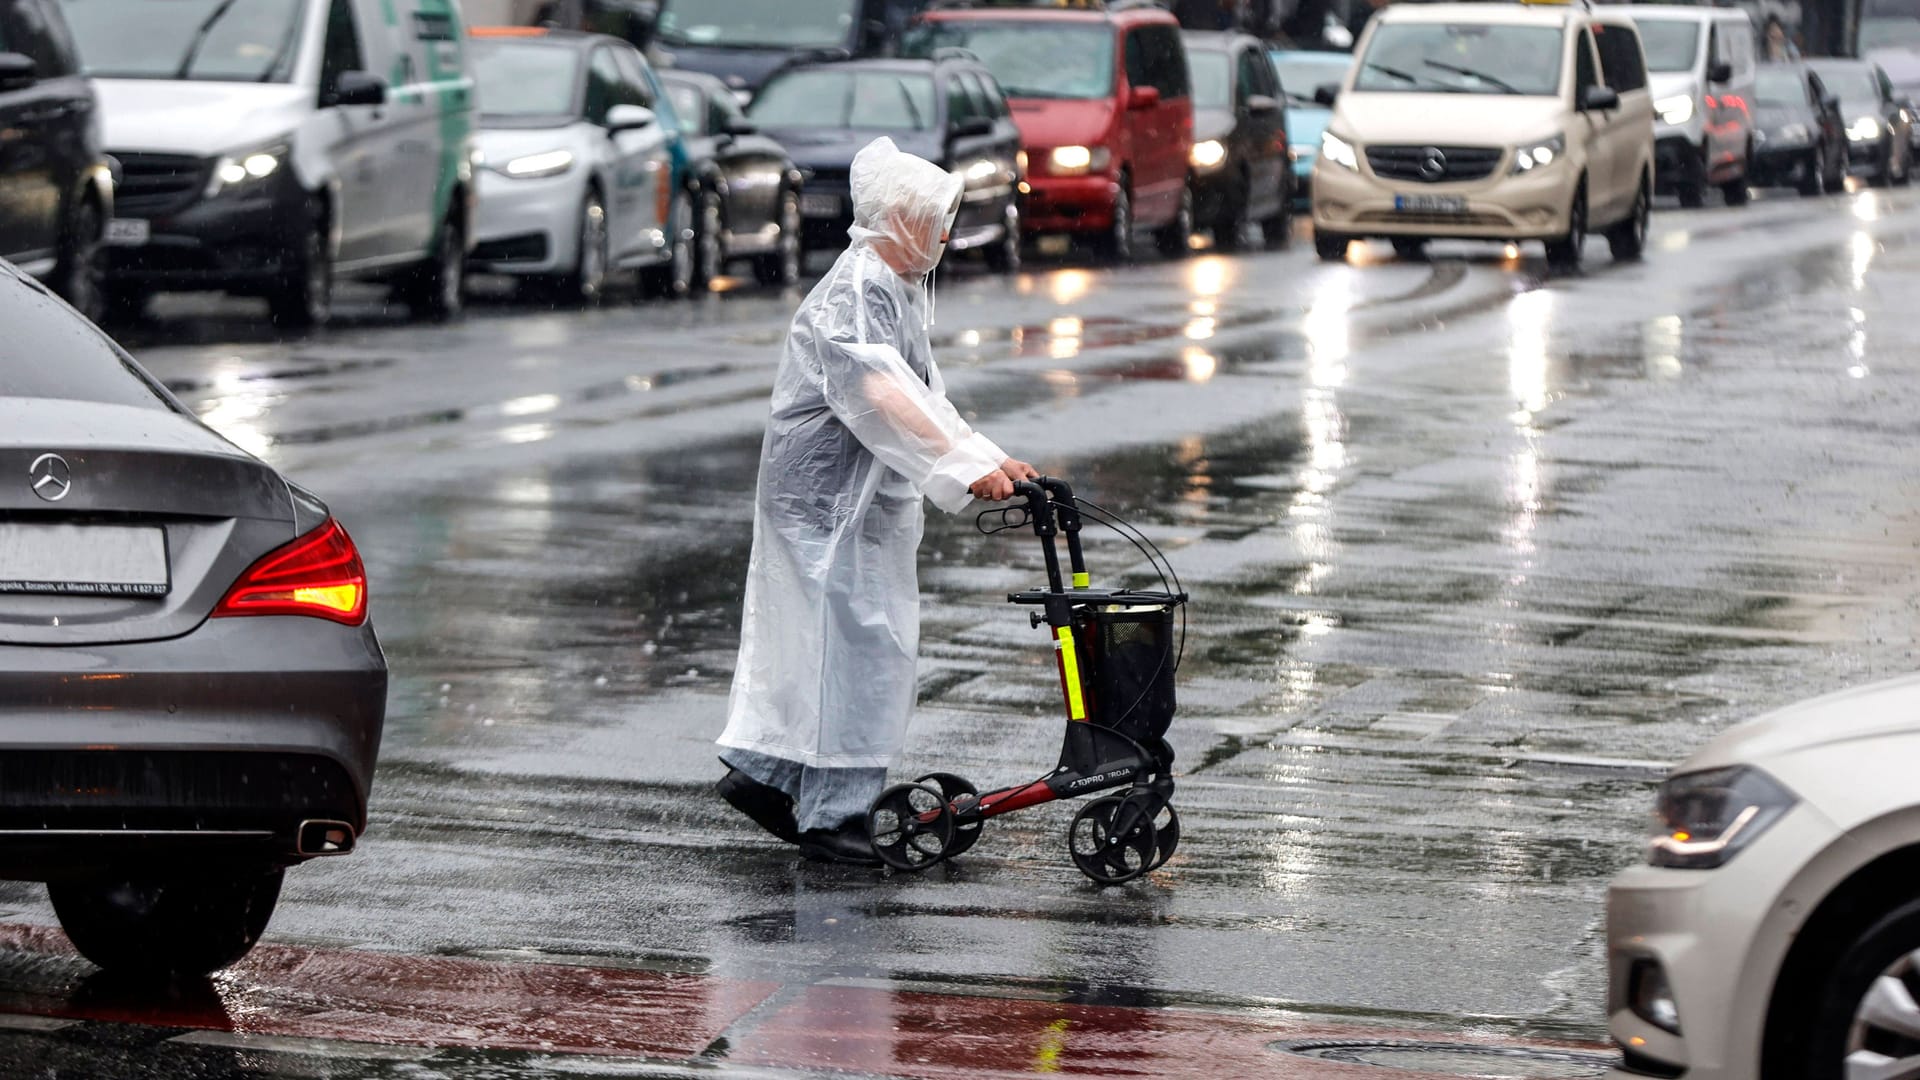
1775	933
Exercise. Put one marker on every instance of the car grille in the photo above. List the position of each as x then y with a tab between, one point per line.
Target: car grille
1413	162
153	184
135	789
1406	217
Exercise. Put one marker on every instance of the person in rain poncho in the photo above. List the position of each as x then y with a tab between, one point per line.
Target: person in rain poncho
861	429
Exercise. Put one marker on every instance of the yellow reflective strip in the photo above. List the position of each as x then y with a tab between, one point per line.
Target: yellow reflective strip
1082	579
1070	670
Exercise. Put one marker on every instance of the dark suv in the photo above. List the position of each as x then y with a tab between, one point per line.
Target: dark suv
56	194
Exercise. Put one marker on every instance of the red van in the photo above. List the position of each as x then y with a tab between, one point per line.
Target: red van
1105	112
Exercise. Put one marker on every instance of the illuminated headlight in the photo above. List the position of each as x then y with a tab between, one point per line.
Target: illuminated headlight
982	171
1675	110
1703	819
1867	127
1020	162
242	171
1078	160
1208	154
535	166
1539	155
1338	150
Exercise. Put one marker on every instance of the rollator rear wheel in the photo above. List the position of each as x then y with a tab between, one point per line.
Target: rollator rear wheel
1104	850
911	826
951	788
1166	836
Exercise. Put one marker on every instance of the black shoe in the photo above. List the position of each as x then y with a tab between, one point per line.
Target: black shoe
847	844
769	807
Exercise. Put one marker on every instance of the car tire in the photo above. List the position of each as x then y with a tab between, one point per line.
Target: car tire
1331	247
1116	245
76	276
1836	180
190	925
1627	240
436	288
303	297
1276	232
1814	180
1564	252
1883	173
1410	248
1003	258
586	283
1230	227
1692	192
1172	238
673	279
1736	191
709	252
782	266
1840	1020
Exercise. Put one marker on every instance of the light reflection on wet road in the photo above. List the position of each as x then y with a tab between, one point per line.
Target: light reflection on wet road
1473	553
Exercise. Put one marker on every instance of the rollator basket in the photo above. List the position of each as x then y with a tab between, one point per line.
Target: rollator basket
1131	669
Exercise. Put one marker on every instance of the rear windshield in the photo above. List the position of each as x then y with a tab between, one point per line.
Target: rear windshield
1212	80
219	40
1671	44
1461	58
1032	59
1776	85
49	352
824	98
524	78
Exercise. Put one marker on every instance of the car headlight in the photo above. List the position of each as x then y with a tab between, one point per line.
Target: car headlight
1208	154
1539	155
1677	109
1703	819
1867	127
1338	150
243	171
535	166
981	171
1078	160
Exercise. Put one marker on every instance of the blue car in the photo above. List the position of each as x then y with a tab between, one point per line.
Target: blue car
1301	73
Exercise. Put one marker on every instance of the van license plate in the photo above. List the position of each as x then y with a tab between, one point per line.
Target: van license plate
1430	204
83	560
128	232
820	206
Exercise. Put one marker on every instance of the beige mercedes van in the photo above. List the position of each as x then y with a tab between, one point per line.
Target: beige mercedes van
1479	121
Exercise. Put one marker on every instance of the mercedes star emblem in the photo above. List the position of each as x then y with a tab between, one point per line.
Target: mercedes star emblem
50	476
1433	163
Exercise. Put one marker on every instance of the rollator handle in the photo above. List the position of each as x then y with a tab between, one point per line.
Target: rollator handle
1043	527
1068	513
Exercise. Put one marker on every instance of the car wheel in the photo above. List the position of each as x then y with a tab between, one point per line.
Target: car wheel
1277	231
1883	173
709	223
782	266
1331	247
587	283
1172	239
77	276
1628	239
1117	245
1004	257
184	926
1814	180
1736	191
1693	191
1563	253
1230	228
436	289
1864	1018
673	278
1410	248
303	298
1836	181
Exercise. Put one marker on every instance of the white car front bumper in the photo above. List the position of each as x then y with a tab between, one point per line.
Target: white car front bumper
528	226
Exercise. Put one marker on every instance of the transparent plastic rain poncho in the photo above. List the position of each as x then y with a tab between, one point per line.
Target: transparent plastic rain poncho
861	429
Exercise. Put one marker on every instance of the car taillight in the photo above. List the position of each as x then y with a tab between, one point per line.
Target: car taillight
319	575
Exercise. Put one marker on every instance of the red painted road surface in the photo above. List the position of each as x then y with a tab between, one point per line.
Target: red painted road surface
383	998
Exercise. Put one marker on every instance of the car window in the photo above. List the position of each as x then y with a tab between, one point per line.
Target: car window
59	38
1671	44
996	102
89	368
34	38
1462	58
522	78
827	98
1584	74
1620	62
1740	52
603	85
1301	74
691	106
1249	83
340	50
726	112
633	87
1166	61
1816	90
1031	60
960	103
1780	85
1886	84
1212	80
239	41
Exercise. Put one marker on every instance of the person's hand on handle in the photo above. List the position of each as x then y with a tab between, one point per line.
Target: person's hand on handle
996	486
1019	470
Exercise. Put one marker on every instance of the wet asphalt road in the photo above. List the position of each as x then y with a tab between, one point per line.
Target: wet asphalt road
1474	554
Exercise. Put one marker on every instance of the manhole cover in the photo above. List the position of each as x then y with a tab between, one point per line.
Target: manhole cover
1460	1059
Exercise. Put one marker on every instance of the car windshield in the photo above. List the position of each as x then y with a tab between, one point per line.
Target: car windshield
1780	86
215	40
1854	86
1300	76
1671	44
523	78
1212	80
826	98
1031	59
1889	33
789	24
90	368
1461	58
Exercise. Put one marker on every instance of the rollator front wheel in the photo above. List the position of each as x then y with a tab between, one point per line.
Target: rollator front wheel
1166	835
951	787
911	826
1112	842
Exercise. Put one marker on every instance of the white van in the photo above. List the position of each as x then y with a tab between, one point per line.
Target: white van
1701	62
267	147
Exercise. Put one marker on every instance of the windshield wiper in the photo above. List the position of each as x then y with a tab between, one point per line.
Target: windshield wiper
1472	74
200	34
1392	73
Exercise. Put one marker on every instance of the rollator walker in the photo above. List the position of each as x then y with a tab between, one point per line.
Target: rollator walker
1117	659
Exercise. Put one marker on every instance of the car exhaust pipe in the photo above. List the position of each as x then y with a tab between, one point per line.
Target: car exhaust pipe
322	837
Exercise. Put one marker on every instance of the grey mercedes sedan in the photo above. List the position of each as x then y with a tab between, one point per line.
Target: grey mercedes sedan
191	695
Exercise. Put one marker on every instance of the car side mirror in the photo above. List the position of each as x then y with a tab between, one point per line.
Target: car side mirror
1720	72
628	118
1599	99
1143	97
971	128
355	88
1325	93
16	71
1261	104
